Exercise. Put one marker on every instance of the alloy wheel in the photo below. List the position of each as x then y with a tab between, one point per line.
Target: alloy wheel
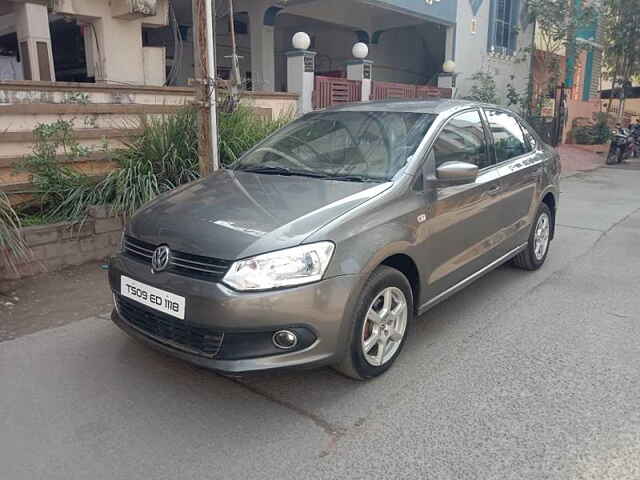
541	236
384	326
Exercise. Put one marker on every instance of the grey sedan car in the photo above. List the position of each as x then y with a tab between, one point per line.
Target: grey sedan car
322	244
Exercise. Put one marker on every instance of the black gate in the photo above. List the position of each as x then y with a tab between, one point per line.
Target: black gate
550	124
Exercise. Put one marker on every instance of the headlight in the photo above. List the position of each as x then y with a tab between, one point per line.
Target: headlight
285	268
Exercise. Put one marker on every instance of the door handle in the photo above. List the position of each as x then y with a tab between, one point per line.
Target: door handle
494	190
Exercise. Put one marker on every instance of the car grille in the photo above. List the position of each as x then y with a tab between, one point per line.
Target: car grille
166	329
195	266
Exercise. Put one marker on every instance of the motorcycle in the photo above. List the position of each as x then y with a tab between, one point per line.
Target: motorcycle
621	146
635	143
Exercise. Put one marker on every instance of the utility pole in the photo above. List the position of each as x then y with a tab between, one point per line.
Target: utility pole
205	81
234	87
531	86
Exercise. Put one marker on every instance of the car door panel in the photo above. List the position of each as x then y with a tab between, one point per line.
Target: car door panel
462	231
462	220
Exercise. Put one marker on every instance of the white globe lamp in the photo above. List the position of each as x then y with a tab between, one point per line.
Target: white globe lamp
449	66
301	41
360	50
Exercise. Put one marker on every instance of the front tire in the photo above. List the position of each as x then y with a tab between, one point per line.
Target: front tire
382	317
532	257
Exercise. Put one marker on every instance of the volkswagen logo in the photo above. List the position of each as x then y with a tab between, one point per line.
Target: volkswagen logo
160	259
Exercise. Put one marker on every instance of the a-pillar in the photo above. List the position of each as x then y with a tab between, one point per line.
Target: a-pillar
301	76
361	70
261	31
34	39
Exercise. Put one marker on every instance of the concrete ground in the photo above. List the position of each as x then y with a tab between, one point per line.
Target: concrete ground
522	375
576	159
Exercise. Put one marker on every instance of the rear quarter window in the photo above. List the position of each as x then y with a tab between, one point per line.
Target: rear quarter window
508	136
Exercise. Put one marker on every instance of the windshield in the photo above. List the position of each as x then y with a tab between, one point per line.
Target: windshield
357	146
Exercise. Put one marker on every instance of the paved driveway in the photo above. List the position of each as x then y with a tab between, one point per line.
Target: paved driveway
522	375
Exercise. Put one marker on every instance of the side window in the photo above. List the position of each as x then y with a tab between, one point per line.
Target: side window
462	139
508	137
531	138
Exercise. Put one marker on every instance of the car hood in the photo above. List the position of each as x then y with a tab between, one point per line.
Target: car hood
231	215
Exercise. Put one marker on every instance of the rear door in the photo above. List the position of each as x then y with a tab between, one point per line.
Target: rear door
520	167
463	219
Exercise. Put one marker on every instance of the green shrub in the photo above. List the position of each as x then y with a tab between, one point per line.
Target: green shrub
483	88
61	193
163	157
241	130
601	131
595	134
12	247
583	135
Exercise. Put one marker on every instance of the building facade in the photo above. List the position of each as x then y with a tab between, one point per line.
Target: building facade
149	42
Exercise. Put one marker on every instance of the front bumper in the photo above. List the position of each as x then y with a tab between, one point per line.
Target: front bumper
321	308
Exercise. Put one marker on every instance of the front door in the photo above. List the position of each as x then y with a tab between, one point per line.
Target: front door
463	219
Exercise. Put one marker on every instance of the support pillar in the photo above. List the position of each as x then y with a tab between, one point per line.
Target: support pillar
34	39
114	51
301	72
450	43
447	79
362	71
261	33
300	77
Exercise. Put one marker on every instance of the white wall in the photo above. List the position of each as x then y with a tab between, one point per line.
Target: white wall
472	55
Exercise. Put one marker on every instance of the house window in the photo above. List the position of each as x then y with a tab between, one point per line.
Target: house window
503	25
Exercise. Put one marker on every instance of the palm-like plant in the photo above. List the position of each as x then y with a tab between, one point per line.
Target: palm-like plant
13	250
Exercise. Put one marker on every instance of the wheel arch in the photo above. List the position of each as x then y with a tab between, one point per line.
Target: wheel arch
549	199
408	267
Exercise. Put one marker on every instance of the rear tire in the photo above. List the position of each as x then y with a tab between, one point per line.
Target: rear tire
532	257
383	315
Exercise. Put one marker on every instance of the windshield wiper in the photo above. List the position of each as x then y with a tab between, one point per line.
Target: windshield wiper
350	178
265	169
273	170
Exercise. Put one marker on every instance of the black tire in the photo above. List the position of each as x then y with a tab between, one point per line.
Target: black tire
527	259
354	365
612	157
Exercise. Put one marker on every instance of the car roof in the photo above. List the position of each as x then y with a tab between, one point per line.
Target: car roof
434	106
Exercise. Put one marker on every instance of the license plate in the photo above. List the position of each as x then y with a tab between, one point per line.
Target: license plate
160	300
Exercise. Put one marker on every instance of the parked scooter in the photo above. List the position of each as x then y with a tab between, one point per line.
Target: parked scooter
622	144
634	142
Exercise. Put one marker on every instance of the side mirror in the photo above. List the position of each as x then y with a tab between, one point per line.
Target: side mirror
457	173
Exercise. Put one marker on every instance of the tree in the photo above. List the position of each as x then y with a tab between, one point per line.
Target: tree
621	28
556	23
